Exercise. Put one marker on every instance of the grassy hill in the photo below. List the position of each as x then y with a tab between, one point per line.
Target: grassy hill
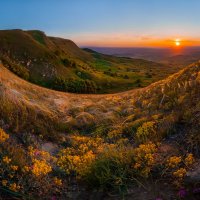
141	142
60	64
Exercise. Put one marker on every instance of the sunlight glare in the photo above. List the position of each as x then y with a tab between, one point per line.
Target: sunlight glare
177	42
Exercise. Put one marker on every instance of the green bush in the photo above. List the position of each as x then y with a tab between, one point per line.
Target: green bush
83	74
74	85
138	82
112	170
66	62
18	69
147	132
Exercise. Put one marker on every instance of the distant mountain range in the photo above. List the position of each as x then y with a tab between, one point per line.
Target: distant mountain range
170	56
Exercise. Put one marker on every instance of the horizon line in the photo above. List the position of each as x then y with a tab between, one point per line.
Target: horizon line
138	47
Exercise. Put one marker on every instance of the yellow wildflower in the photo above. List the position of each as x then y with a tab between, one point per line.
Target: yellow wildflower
25	169
31	151
11	175
3	136
145	131
82	153
137	165
6	160
189	160
4	182
41	167
145	172
180	173
14	187
57	181
14	167
149	158
145	158
173	161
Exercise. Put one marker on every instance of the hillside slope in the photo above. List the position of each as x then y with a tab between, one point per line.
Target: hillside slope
166	97
132	135
60	64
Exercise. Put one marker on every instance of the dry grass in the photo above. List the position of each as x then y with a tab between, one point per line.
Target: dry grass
98	108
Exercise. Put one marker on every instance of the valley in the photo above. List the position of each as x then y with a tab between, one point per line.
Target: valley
60	64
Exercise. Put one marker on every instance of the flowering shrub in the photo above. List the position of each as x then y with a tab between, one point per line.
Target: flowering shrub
147	132
14	187
57	181
97	161
117	166
27	173
180	173
177	166
3	136
40	167
80	155
189	160
144	158
174	161
9	173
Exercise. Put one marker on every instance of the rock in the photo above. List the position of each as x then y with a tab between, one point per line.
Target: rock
28	63
85	119
50	147
193	176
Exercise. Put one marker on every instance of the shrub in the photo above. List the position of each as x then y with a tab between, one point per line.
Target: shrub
74	85
138	82
66	62
26	174
144	158
112	170
84	120
126	76
147	132
78	157
3	136
177	167
83	74
118	166
18	69
130	128
148	75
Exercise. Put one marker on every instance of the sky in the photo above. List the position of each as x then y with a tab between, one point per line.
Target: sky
109	23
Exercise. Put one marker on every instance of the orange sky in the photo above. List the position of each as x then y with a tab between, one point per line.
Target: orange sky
139	43
131	40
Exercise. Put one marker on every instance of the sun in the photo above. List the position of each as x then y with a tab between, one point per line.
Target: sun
177	42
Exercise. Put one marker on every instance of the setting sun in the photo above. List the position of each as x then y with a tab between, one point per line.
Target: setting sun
177	42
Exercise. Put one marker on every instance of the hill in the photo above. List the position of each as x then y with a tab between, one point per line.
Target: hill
115	142
161	97
60	64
